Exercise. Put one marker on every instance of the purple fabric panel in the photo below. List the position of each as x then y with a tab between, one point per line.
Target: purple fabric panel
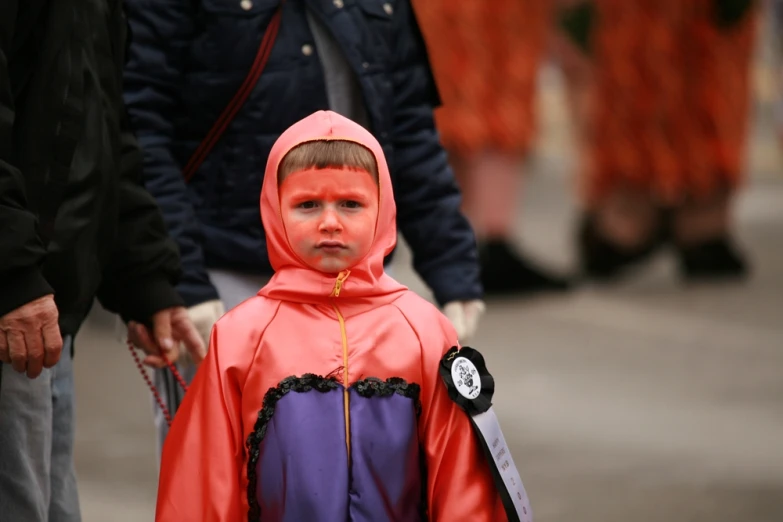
386	475
303	464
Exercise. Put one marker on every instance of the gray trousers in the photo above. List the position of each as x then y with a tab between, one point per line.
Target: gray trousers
37	475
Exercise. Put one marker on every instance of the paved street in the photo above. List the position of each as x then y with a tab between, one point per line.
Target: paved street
642	402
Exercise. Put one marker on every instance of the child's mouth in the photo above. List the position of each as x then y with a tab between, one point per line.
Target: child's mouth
331	247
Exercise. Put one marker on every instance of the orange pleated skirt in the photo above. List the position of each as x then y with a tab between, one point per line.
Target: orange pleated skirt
485	57
670	101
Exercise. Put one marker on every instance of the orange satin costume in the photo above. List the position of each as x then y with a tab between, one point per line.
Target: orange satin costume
320	399
485	58
671	100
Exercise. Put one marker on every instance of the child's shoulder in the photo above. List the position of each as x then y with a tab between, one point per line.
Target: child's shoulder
237	335
411	302
249	314
424	316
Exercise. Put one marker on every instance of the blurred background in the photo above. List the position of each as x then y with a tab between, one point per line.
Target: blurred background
642	398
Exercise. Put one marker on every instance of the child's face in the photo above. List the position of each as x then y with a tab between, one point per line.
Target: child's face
330	216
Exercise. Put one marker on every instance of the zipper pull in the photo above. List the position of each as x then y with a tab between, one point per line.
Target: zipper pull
338	283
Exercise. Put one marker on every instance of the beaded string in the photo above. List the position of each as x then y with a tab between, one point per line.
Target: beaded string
151	386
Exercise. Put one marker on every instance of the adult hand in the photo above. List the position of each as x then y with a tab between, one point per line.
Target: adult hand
464	315
30	337
170	327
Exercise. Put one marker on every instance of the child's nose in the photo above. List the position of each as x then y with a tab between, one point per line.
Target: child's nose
330	221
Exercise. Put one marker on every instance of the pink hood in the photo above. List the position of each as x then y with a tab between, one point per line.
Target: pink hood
367	283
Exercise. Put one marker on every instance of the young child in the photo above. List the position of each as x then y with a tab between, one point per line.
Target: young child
320	398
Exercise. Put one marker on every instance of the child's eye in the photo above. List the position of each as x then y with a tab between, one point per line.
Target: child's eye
352	204
307	205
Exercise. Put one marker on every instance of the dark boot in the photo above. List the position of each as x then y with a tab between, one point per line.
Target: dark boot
715	259
504	272
604	260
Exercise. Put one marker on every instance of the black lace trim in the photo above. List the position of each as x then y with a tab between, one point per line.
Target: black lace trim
370	387
374	387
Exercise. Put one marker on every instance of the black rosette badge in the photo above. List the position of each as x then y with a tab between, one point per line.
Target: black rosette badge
468	382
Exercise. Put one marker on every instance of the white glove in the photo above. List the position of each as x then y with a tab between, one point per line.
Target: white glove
204	316
464	315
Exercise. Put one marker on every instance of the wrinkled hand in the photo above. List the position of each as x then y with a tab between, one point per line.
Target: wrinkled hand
30	337
204	316
170	327
464	315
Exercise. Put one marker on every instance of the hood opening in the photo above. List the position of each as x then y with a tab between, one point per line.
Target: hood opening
295	281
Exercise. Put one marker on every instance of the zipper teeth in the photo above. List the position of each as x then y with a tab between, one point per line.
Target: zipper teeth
346	396
338	284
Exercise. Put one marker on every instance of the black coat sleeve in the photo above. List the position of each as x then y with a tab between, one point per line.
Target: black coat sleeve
21	249
144	268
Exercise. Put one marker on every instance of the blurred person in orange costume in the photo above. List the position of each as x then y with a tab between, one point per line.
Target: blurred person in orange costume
485	58
666	136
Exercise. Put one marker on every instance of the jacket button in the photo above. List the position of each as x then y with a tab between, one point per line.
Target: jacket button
247	5
338	4
388	8
307	49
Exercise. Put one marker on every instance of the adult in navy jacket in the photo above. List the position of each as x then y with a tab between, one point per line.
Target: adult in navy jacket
364	59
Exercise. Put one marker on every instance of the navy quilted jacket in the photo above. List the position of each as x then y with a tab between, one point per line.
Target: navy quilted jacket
188	57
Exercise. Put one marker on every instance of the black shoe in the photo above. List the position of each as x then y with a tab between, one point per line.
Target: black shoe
603	260
504	272
712	260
